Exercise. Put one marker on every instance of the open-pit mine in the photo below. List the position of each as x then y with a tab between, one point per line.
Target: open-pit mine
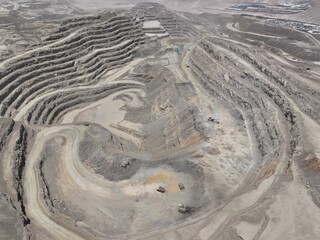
175	120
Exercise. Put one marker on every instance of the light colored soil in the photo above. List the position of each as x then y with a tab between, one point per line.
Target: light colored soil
152	24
